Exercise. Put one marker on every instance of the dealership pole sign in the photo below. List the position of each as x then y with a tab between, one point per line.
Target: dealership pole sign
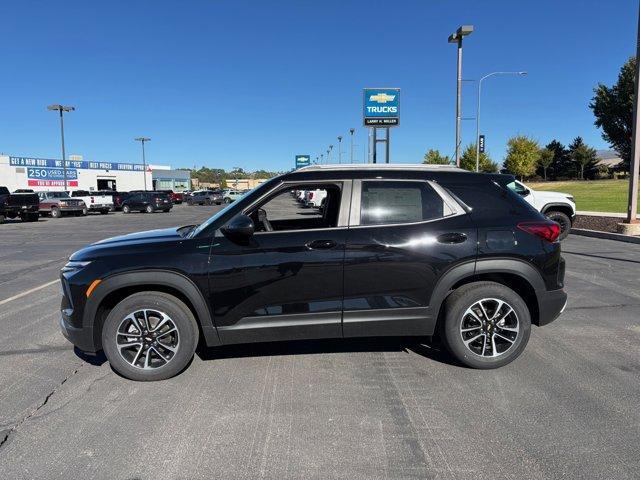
303	161
381	107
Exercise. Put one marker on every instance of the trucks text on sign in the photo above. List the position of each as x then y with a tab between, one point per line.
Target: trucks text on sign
381	107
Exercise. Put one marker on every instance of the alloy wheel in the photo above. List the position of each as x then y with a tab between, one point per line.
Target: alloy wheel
147	339
489	327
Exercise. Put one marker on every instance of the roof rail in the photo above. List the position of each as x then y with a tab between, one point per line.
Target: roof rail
381	166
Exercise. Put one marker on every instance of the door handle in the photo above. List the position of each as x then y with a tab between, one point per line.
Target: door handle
320	244
452	237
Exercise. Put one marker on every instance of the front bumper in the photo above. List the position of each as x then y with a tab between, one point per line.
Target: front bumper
80	337
551	303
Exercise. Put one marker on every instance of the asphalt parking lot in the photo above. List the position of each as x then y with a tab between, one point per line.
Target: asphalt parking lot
568	407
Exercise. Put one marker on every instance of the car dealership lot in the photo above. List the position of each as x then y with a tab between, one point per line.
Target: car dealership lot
392	408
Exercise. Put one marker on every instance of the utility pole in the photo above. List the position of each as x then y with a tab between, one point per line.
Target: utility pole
339	148
457	37
632	226
144	159
62	108
351	132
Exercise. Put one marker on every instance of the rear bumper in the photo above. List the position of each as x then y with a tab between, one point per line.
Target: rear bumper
551	304
17	209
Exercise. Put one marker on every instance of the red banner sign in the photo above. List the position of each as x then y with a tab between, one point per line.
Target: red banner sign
52	183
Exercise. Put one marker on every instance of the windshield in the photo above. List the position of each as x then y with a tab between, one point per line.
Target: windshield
58	195
203	226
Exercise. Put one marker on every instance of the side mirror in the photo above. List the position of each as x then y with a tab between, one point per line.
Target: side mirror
240	228
524	192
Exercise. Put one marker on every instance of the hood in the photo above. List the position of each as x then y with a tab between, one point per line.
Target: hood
143	237
552	195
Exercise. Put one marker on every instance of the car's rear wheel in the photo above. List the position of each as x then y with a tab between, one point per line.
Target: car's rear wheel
149	336
227	200
126	209
486	325
563	220
55	212
149	209
207	201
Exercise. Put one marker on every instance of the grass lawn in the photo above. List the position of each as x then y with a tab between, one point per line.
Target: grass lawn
592	195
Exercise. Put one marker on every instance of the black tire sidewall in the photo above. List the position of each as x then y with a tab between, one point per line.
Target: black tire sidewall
176	310
564	221
458	302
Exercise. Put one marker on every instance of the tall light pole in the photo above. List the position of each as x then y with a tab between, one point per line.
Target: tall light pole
631	224
144	159
339	148
329	153
321	158
62	108
478	110
456	37
351	132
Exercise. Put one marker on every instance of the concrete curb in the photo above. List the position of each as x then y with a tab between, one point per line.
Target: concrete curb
606	235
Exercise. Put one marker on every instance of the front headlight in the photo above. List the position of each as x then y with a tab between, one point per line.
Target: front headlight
63	203
74	266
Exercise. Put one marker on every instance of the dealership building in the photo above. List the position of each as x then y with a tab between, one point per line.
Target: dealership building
41	174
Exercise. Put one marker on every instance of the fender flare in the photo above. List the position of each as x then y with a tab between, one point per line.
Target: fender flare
168	278
490	265
549	206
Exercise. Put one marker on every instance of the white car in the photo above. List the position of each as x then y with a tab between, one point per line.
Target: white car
95	202
313	198
556	206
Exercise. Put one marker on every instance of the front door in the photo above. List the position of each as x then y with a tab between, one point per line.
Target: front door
287	282
403	235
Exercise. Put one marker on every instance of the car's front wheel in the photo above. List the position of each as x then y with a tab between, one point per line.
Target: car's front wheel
126	209
149	336
563	220
486	325
149	209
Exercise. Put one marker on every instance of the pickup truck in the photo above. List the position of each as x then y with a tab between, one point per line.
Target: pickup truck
556	206
23	205
58	203
94	201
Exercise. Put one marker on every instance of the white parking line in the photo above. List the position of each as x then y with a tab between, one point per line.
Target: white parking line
24	294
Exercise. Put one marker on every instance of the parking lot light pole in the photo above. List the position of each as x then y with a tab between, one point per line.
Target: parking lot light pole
457	37
478	110
329	153
339	148
144	160
61	109
351	132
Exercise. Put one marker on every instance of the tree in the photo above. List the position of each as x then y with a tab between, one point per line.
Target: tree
522	156
545	160
434	157
582	155
562	166
468	160
613	109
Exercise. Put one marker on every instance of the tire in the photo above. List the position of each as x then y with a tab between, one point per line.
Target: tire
55	212
562	219
166	211
149	209
185	341
478	354
207	202
126	209
2	218
104	212
33	217
227	200
84	212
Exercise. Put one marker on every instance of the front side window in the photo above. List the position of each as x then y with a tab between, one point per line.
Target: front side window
390	202
299	207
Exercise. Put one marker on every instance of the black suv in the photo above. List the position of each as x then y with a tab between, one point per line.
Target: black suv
147	202
397	250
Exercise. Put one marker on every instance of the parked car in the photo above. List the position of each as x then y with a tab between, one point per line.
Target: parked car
147	202
556	206
205	197
176	197
230	195
399	250
116	197
59	203
313	198
18	204
94	201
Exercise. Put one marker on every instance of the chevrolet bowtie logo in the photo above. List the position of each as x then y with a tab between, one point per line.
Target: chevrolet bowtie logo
381	98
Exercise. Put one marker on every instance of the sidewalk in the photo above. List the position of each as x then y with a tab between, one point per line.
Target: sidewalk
604	214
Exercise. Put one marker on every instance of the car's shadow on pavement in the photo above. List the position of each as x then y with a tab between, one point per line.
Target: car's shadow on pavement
420	346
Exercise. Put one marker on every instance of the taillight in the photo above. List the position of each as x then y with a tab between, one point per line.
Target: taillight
310	195
545	229
92	200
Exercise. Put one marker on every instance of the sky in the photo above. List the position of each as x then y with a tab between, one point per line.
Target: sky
253	83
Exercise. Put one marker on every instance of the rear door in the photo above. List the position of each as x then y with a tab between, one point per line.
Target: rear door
403	236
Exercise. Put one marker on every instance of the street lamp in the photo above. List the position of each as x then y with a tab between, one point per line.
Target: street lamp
478	110
457	37
144	160
339	148
351	131
321	158
62	108
329	153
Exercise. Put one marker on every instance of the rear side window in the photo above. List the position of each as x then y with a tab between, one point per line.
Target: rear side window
388	202
489	200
